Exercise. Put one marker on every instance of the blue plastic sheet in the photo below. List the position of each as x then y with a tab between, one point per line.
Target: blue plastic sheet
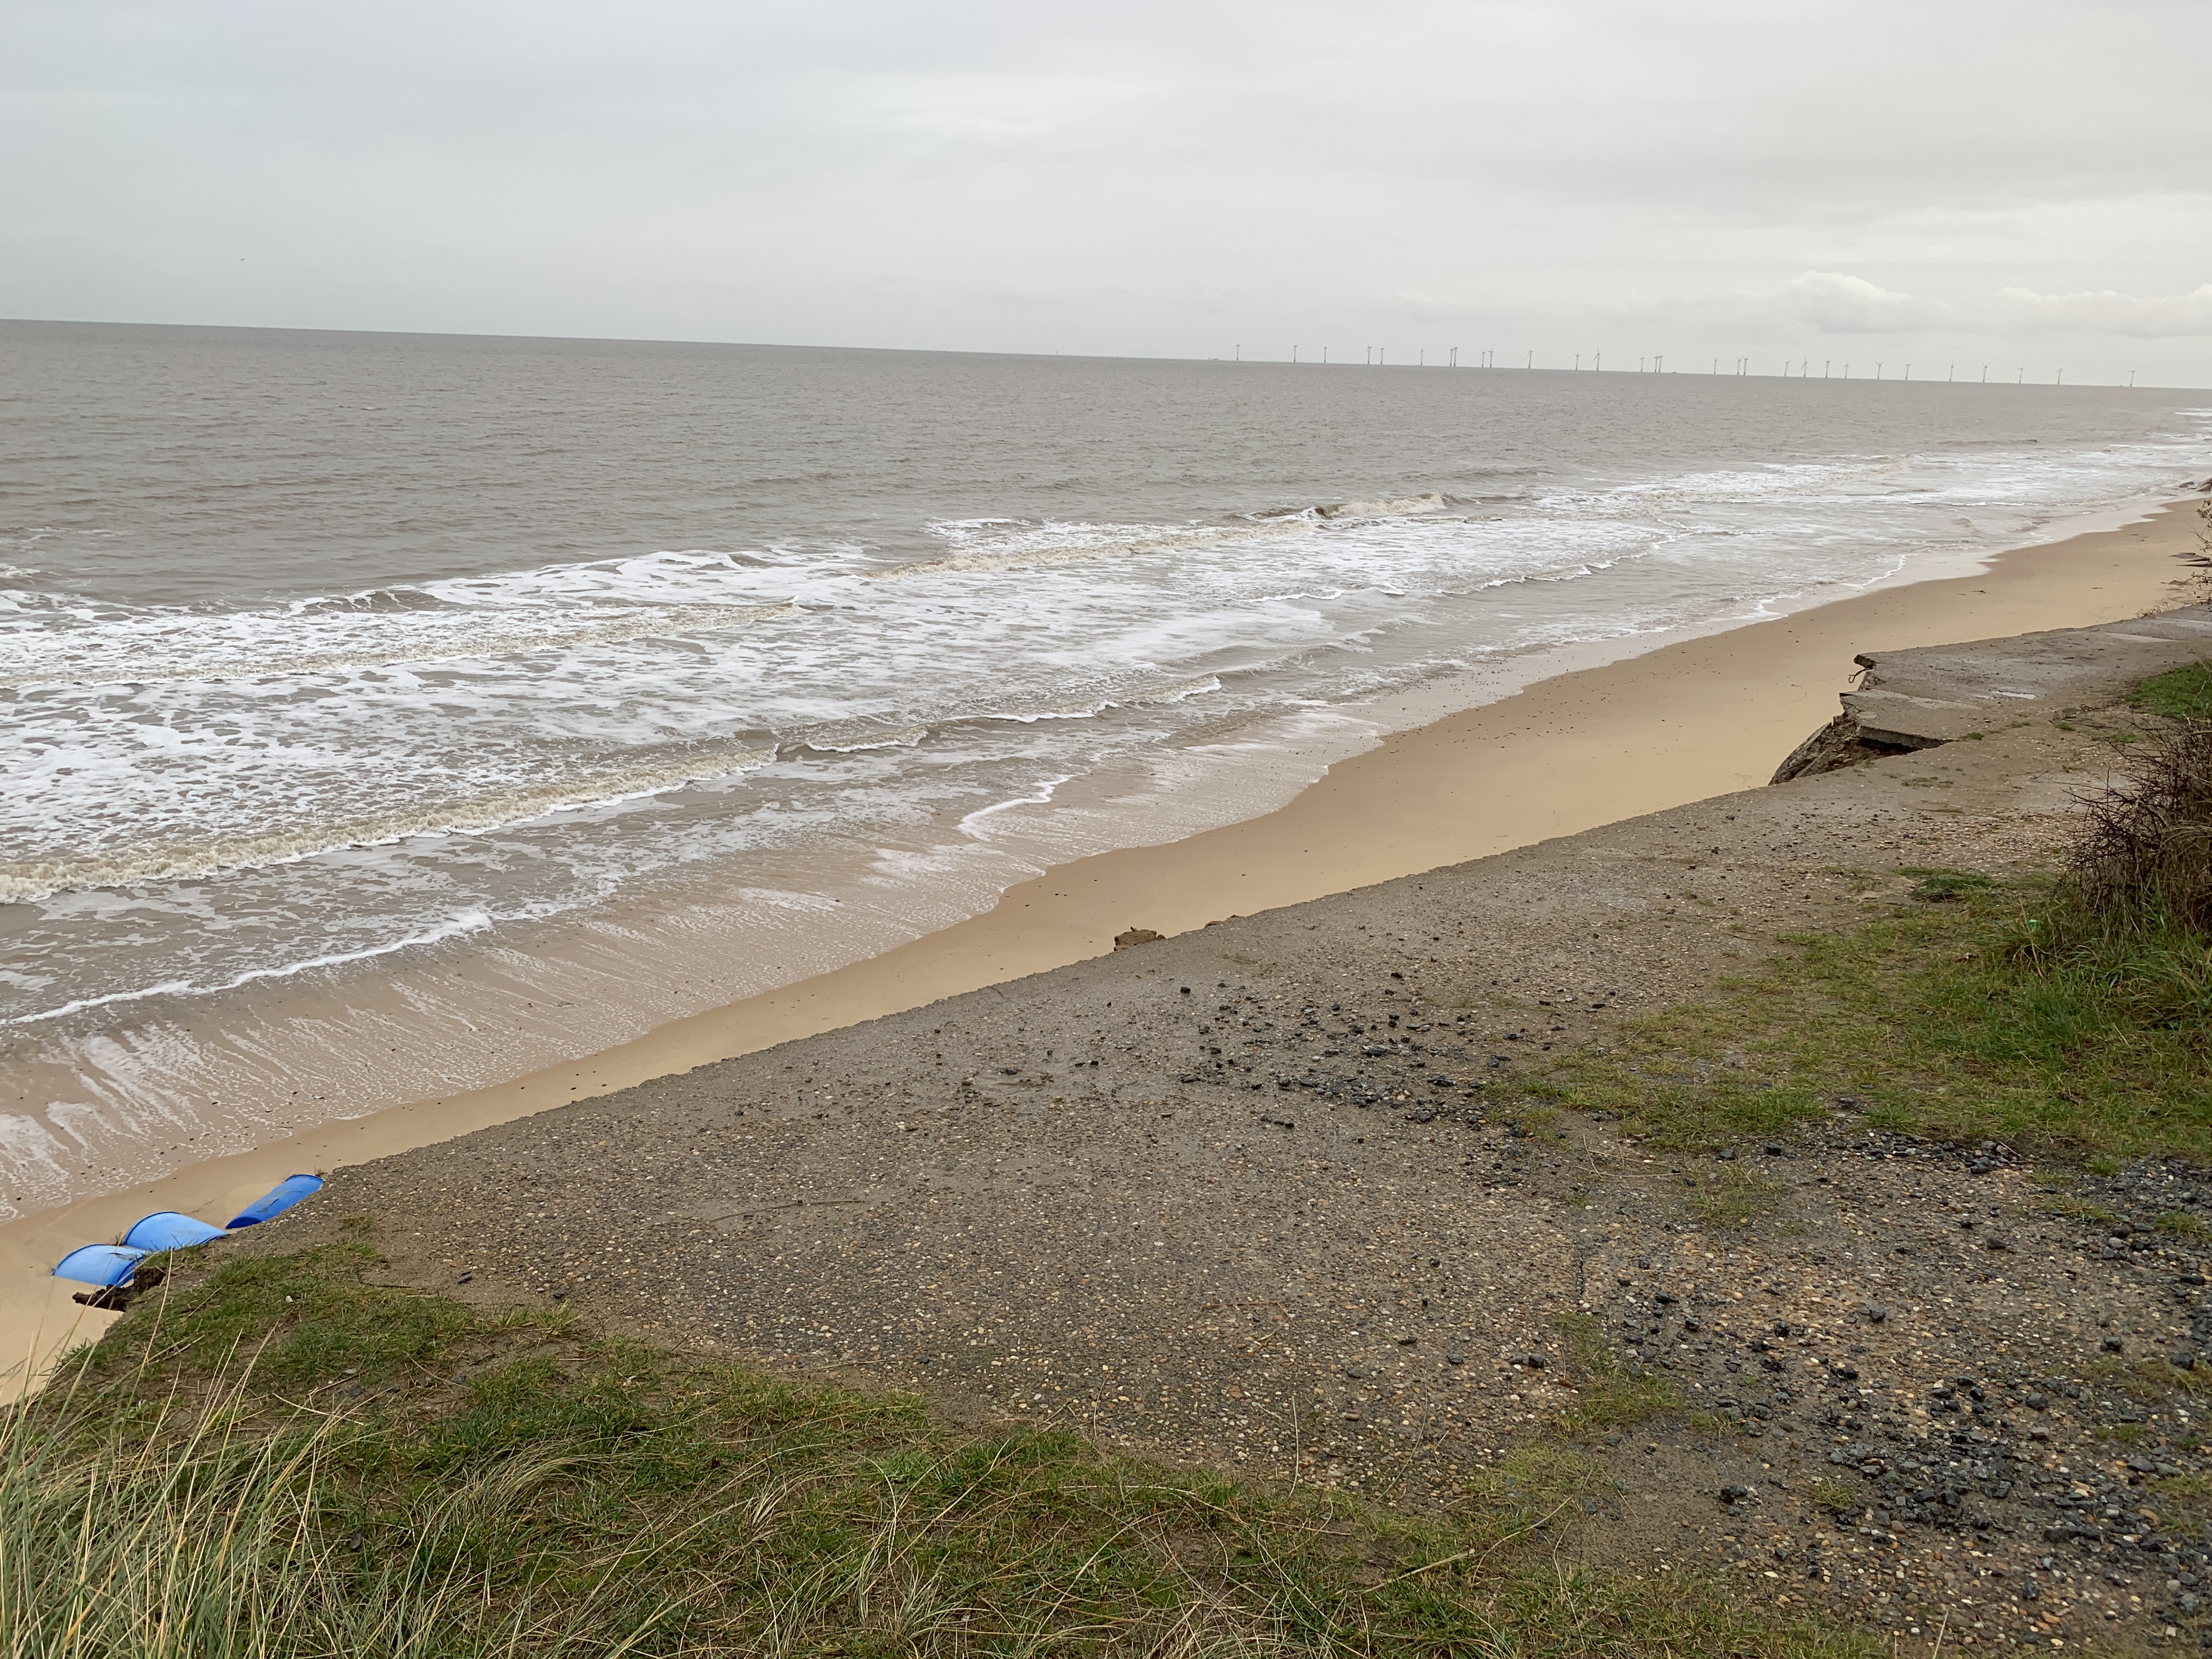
99	1264
165	1230
278	1200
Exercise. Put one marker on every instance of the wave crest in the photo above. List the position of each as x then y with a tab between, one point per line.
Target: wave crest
24	881
172	648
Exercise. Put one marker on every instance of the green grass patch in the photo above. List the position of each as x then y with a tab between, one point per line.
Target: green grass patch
2077	1209
1838	1496
1609	1393
2180	694
1735	1197
1531	1486
1967	1017
1945	886
2152	1380
276	1458
2185	1504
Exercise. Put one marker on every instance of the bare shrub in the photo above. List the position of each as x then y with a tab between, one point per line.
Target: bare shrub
2144	857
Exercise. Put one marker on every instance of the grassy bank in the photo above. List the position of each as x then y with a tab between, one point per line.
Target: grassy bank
2071	1014
1948	1018
280	1459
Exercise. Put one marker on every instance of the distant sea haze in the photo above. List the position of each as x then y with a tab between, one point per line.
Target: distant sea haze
325	655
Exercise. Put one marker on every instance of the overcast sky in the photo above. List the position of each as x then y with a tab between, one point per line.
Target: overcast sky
2024	183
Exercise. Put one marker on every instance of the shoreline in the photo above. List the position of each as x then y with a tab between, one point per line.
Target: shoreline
1696	718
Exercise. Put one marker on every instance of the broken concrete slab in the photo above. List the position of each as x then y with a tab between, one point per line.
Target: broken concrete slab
1934	694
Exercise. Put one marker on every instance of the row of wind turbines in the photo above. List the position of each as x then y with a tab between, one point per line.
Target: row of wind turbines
1376	356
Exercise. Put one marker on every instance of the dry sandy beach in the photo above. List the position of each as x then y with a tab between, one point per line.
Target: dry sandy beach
1680	724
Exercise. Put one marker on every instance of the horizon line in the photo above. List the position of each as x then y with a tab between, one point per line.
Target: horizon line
1077	356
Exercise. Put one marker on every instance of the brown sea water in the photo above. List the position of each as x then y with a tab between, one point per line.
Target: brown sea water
391	714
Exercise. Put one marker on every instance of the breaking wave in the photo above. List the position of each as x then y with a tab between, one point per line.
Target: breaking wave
25	880
183	646
460	926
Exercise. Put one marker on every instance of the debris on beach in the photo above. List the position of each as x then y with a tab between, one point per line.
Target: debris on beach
278	1199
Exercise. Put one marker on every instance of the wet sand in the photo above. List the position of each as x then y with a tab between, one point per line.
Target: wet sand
1692	719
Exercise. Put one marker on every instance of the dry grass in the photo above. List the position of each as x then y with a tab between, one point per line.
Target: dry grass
2143	863
277	1461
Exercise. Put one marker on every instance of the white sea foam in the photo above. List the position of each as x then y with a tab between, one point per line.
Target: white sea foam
1072	544
460	926
185	645
25	880
858	740
1393	506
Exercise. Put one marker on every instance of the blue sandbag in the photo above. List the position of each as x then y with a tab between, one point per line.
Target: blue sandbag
278	1200
101	1264
165	1230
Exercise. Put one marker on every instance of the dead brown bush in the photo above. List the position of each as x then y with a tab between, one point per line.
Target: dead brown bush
2144	857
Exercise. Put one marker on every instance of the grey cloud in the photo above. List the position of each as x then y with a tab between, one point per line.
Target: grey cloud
2149	318
1145	177
1835	303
